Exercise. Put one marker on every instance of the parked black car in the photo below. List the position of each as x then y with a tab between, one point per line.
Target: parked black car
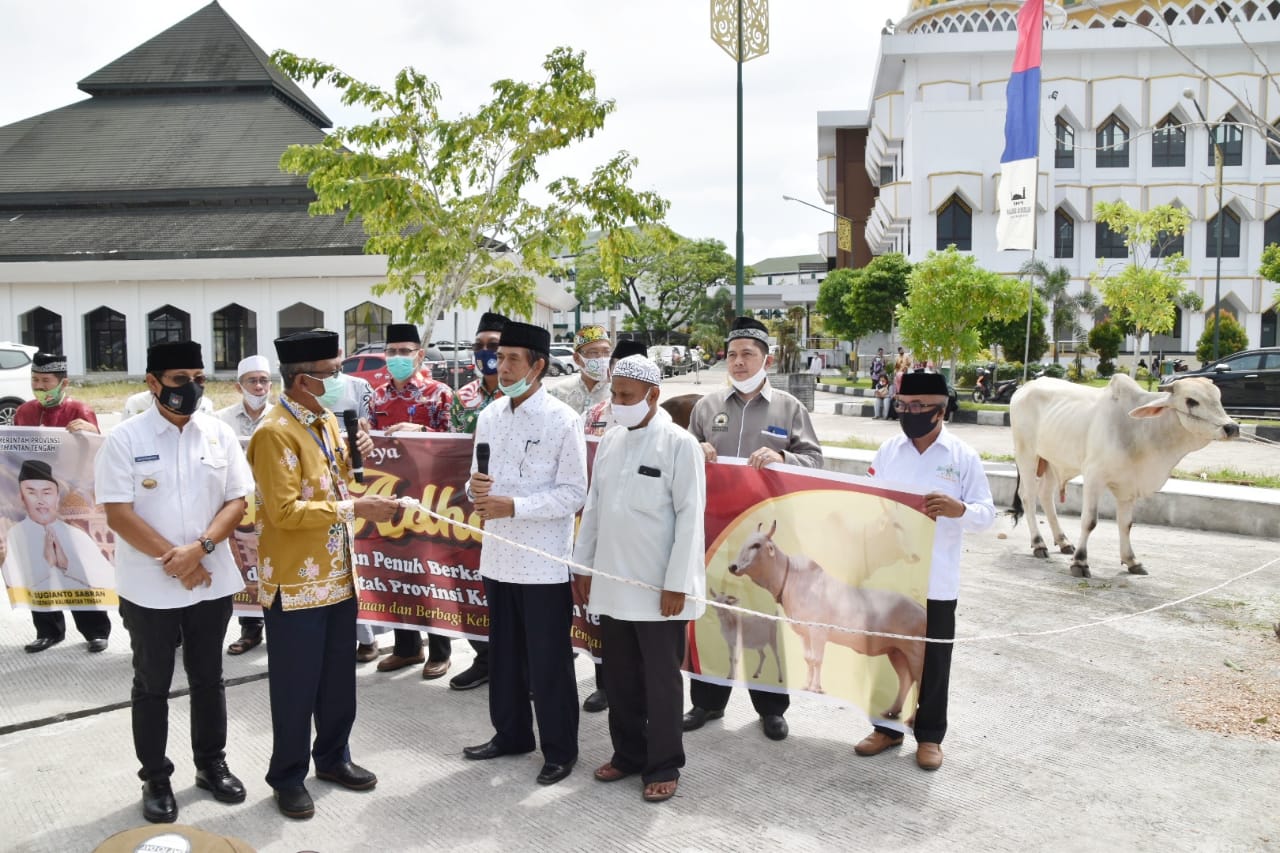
1249	380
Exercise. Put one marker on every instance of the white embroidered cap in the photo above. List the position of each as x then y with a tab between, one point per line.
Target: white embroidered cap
638	367
253	363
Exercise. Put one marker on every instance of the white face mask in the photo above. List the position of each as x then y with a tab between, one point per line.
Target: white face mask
255	401
631	416
596	368
746	386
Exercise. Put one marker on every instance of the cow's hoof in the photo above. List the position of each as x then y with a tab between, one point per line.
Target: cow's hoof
1041	552
1137	569
1079	570
1067	548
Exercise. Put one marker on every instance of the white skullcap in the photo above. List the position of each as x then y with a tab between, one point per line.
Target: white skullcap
252	364
638	367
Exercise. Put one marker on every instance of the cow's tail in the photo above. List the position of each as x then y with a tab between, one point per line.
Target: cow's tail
1017	510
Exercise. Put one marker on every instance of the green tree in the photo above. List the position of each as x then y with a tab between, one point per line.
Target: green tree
1232	338
1106	338
832	303
1011	335
1146	293
1270	268
877	293
448	200
662	278
948	296
712	319
787	332
1054	286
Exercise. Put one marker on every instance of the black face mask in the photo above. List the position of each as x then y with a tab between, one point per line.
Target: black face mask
917	424
181	400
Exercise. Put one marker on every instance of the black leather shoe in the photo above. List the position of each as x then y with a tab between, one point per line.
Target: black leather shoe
697	718
40	644
553	773
295	803
350	776
222	782
597	701
775	726
98	644
158	804
490	749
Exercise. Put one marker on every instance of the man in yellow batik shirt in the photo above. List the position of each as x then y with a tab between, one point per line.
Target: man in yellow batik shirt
306	587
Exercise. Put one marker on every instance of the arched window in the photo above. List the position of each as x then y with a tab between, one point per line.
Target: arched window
1230	137
1064	234
41	328
235	336
366	324
1169	143
1273	145
1064	146
1113	144
168	324
1108	243
299	317
1230	235
1271	230
1166	244
955	225
104	341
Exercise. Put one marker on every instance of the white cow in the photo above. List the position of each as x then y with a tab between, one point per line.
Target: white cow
1119	437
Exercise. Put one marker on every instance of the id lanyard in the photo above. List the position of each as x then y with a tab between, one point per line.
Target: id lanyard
339	484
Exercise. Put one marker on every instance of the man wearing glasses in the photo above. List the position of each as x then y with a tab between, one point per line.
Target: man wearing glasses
411	402
591	385
253	381
468	403
173	483
927	455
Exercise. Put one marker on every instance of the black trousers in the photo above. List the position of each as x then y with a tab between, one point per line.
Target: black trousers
529	649
713	697
153	634
51	624
311	676
250	623
481	648
408	642
642	676
935	681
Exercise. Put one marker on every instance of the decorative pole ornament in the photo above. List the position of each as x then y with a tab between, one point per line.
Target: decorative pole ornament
741	28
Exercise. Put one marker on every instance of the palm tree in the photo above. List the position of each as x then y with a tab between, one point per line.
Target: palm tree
1065	306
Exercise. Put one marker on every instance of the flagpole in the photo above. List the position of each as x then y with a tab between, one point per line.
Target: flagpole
1031	285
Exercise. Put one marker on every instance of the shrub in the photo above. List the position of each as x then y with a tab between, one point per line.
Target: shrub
1106	367
1232	337
1057	371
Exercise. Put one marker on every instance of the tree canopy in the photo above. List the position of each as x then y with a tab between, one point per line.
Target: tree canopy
1011	334
448	201
1231	338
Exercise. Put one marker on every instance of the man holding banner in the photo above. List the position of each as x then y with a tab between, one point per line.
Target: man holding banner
753	420
959	499
535	485
643	521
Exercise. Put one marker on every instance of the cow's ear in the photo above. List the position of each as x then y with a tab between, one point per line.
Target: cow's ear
1154	408
733	599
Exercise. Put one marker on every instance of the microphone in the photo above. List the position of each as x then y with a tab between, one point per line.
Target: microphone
482	458
353	428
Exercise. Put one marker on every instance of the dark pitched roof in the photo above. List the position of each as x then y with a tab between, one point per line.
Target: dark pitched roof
206	50
174	232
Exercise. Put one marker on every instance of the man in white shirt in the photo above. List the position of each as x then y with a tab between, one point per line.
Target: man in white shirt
253	381
959	499
536	483
173	483
643	521
43	552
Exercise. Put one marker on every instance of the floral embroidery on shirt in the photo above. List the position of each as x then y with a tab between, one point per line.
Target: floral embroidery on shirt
264	569
310	570
289	459
334	545
308	491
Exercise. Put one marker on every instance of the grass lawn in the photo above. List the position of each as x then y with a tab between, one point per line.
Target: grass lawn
110	396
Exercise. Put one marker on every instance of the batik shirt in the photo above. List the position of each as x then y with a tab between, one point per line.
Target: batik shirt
421	401
304	515
468	403
575	395
598	419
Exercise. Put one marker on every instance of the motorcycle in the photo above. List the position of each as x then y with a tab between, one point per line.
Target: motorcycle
1180	366
988	389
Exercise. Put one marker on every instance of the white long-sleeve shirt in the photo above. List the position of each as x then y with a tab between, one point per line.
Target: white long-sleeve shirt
953	468
538	456
644	520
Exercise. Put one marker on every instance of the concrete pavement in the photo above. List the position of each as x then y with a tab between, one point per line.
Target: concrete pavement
1091	740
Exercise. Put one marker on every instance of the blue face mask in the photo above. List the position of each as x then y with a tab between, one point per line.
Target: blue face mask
487	362
332	391
516	389
401	367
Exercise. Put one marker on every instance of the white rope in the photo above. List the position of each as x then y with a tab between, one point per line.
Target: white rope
417	505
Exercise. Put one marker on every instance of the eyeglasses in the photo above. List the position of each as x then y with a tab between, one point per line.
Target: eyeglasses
179	381
402	350
261	381
478	348
916	408
334	374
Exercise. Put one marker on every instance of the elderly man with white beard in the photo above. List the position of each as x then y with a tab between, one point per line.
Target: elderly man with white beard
643	521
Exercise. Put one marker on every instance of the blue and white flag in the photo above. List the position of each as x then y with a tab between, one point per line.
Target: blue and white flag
1016	225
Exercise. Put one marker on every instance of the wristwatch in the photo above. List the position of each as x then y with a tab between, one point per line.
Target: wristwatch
208	545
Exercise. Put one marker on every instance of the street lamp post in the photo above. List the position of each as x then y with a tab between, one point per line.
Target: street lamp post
1217	278
844	236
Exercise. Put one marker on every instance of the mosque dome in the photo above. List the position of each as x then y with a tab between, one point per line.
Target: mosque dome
980	16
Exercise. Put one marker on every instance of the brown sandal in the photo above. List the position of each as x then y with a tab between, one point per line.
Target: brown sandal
653	795
608	773
245	643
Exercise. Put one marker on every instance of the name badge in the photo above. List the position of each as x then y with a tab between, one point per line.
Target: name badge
152	458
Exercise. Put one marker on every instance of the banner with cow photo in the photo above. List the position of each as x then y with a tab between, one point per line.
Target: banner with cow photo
822	548
58	550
